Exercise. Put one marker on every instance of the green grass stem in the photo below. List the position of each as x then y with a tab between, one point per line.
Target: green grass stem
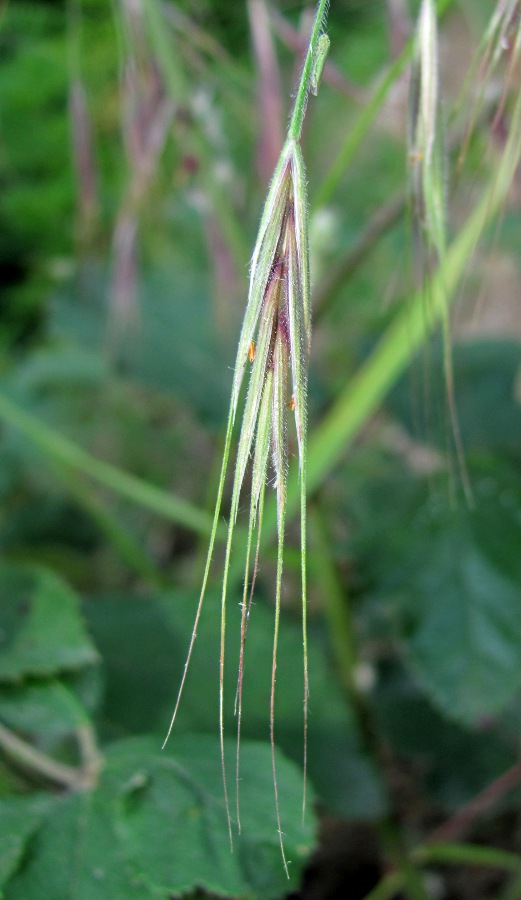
61	450
308	71
365	119
456	854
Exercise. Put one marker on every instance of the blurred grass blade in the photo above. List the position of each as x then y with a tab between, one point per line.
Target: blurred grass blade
366	118
409	328
425	136
501	41
61	450
469	855
269	95
426	160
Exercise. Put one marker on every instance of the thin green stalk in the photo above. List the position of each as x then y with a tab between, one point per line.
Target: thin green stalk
413	881
364	121
281	466
344	645
280	561
388	887
456	854
299	109
303	581
452	854
427	189
247	600
201	550
213	534
37	763
90	755
513	890
231	525
339	620
258	486
384	219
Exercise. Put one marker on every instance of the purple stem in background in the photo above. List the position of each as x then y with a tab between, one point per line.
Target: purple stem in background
400	26
271	135
84	162
147	118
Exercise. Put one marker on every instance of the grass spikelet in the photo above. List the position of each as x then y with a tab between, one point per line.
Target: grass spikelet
426	158
501	43
274	344
425	139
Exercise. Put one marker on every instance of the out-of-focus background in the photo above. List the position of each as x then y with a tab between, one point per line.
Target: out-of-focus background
137	140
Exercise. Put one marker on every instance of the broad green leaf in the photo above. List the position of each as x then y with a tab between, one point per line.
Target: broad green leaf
139	648
42	629
76	855
465	642
451	580
156	827
180	796
19	817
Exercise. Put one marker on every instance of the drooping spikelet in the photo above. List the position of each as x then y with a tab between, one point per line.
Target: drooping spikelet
274	342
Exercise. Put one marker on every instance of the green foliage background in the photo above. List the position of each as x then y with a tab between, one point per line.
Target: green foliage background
112	409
